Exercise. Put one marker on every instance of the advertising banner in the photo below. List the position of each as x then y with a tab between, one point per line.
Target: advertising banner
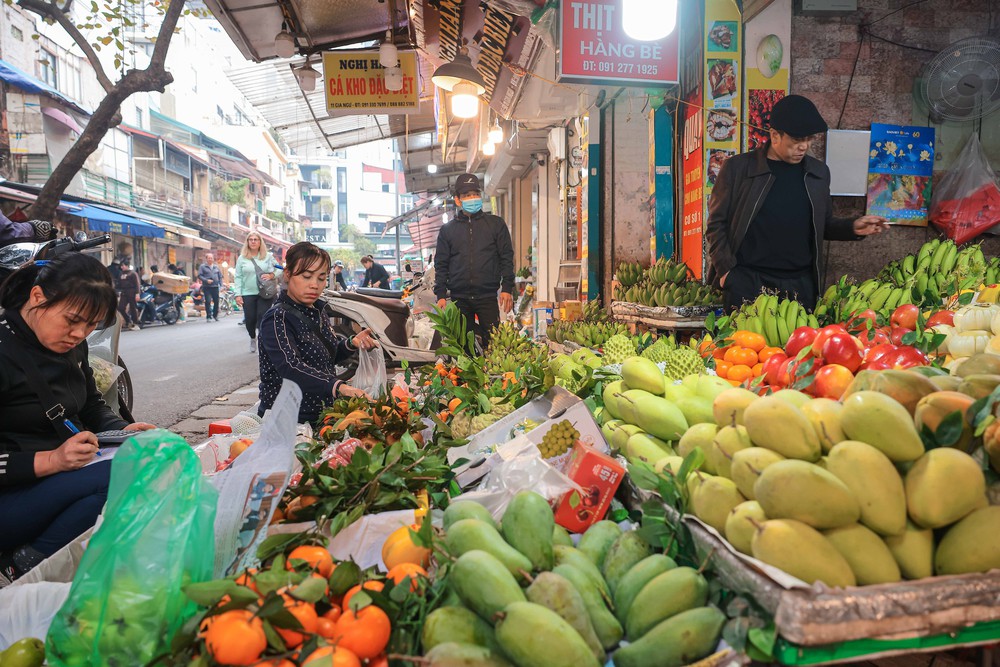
768	36
692	160
900	166
354	82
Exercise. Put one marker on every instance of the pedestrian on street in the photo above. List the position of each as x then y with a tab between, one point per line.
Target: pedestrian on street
210	276
128	289
475	259
771	210
375	274
338	275
297	341
255	271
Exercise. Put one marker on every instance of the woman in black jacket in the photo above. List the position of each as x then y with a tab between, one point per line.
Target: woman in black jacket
48	493
297	342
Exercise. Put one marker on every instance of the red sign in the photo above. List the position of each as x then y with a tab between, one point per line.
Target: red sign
594	47
692	168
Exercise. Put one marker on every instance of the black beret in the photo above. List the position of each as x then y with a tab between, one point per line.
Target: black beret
797	116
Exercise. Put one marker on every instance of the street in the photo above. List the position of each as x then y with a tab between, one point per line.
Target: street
176	369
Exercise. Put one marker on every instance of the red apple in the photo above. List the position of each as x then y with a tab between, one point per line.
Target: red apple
843	349
856	322
897	335
941	317
907	357
873	337
772	368
824	335
905	316
832	381
794	370
800	339
875	357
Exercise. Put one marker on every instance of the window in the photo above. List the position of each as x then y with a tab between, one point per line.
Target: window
16	33
138	118
341	179
377	227
47	68
220	113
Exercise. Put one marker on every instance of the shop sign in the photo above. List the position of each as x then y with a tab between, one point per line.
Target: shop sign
768	37
498	28
594	47
692	228
355	83
721	88
449	28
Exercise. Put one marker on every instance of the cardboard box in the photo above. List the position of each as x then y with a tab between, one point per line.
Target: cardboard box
543	313
599	476
572	310
168	282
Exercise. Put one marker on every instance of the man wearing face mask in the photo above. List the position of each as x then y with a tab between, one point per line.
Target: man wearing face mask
474	260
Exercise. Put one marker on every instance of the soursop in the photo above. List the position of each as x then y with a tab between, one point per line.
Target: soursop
482	421
618	348
501	408
461	425
659	350
682	362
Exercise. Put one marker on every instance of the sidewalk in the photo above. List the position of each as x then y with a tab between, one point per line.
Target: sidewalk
194	428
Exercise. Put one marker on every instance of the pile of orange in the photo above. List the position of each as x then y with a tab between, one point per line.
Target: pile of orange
743	360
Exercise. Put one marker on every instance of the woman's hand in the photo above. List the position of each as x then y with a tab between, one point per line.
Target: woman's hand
346	390
73	454
267	276
139	426
239	301
364	340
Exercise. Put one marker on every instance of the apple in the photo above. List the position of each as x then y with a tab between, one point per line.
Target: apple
823	335
793	370
800	339
941	317
873	337
843	349
856	322
875	357
905	316
832	381
897	335
771	370
907	357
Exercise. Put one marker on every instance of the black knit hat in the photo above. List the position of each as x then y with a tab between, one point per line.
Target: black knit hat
797	116
467	183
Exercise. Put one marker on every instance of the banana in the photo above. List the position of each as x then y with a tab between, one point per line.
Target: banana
830	292
922	281
771	330
802	320
867	287
949	259
897	276
938	256
879	297
814	322
792	316
755	325
783	308
821	310
783	332
924	254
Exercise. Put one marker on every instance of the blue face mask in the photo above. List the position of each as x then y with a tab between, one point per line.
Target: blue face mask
472	205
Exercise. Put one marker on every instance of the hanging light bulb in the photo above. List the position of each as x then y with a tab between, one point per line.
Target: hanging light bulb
649	20
432	168
465	100
307	77
388	56
489	149
284	42
393	78
496	132
459	70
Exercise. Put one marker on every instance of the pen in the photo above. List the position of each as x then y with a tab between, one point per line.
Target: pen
74	430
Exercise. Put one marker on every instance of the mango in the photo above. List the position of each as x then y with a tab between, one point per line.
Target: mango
873	480
601	415
534	636
453	654
701	436
805	492
979	364
943	486
802	552
459	625
971	545
636	579
729	406
978	386
674	392
713	500
579	560
824	415
794	397
904	387
647	448
560	537
933	408
466	509
610	398
609	630
608	429
555	592
866	553
781	427
596	541
626	404
883	423
671	464
666	595
706	386
472	534
627	550
696	410
913	550
680	640
728	441
621	434
641	373
527	526
746	466
946	382
742	523
484	584
586	357
655	415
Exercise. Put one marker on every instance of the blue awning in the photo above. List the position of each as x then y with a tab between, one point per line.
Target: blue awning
104	220
26	82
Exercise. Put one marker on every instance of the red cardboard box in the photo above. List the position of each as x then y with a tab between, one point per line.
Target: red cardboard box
599	476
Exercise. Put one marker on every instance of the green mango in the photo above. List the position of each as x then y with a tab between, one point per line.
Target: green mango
636	579
640	373
746	466
627	550
728	441
677	641
466	509
874	481
646	448
596	541
971	544
454	654
457	625
805	492
655	415
27	652
555	592
578	559
866	553
484	584
560	537
742	523
608	429
698	436
802	552
527	526
666	595
469	534
621	434
609	630
611	399
713	499
534	636
913	550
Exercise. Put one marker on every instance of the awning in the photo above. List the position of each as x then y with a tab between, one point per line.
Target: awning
104	220
28	83
63	118
15	194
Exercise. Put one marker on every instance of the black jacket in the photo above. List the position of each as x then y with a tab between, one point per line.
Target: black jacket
474	257
376	276
291	350
24	428
741	187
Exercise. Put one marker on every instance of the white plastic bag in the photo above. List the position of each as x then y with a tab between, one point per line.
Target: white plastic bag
371	377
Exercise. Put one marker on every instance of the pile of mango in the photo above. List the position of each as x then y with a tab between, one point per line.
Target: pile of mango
523	595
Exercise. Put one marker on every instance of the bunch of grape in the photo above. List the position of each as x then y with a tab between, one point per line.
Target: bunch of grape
558	440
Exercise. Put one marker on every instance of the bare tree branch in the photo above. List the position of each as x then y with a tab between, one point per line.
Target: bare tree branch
52	11
167	30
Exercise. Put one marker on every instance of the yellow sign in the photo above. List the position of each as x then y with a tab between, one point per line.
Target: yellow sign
355	83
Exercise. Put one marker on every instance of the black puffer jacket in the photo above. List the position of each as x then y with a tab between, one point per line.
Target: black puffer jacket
474	258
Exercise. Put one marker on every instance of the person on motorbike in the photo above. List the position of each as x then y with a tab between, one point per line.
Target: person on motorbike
49	493
253	264
298	343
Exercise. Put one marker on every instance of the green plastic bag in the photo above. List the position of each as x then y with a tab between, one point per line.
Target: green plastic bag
126	603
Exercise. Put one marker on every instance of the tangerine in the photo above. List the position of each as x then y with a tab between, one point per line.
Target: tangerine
740	374
742	356
399	548
333	614
379	661
325	627
404	570
274	662
722	368
235	638
246	579
331	656
768	352
758	369
317	557
305	614
750	340
370	585
365	633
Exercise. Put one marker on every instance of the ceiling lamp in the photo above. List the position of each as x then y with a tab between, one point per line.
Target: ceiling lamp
649	20
489	149
432	168
393	79
388	56
307	77
465	100
284	42
459	70
496	132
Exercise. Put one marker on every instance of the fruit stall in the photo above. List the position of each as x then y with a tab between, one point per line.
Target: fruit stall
791	486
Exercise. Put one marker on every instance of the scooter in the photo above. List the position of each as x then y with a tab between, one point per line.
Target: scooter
155	305
102	343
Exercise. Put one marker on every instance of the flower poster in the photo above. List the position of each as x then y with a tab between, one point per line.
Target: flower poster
900	166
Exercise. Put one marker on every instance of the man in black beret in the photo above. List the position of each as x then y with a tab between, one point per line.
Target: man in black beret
771	210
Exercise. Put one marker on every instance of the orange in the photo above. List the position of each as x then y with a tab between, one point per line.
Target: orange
379	661
404	570
366	633
740	374
325	627
758	369
246	579
768	352
733	382
720	352
317	557
306	615
722	368
331	656
235	638
454	403
370	585
750	340
741	355
333	614
275	662
398	549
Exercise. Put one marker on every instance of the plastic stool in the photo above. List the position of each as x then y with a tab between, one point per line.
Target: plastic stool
217	427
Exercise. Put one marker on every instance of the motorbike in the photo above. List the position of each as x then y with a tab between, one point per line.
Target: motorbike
155	305
102	343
